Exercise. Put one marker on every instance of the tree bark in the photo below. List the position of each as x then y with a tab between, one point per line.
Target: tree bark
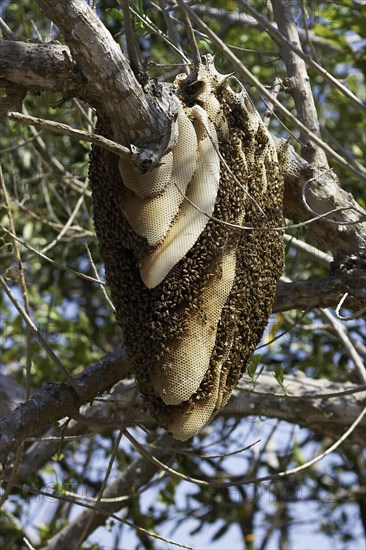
137	118
42	67
326	416
55	401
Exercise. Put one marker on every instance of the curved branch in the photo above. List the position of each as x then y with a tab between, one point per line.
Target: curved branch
136	117
327	416
326	292
344	233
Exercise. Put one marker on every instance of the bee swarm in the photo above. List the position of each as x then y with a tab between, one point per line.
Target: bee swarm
193	295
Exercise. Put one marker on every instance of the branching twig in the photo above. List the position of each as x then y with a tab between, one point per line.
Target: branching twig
245	481
276	34
55	401
263	91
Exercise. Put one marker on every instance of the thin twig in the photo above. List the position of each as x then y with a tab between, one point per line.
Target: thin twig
262	90
67	224
351	317
10	35
276	228
341	333
100	510
50	160
150	25
275	33
108	300
307	31
328	395
23	284
245	481
51	354
47	259
190	33
64	129
172	31
112	458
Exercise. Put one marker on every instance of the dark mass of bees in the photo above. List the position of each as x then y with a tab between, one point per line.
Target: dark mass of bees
193	295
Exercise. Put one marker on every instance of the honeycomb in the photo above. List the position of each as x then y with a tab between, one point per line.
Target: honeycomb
193	295
201	195
151	217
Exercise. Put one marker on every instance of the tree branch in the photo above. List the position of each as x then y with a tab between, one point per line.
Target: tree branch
326	292
64	129
43	67
56	401
285	35
136	117
267	94
327	416
343	232
298	79
324	193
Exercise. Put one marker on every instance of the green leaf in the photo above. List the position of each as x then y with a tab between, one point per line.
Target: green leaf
279	376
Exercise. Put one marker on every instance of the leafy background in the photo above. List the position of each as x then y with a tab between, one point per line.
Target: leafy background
45	176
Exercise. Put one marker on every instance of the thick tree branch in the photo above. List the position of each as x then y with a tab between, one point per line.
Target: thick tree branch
106	414
343	233
43	67
327	292
136	118
56	401
328	416
324	193
267	95
298	80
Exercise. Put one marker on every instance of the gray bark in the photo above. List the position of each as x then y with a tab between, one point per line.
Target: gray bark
137	118
55	401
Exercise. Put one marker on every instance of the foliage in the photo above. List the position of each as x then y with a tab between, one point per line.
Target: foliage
46	180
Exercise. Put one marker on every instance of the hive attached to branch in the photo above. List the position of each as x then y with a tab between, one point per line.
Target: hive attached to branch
192	290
